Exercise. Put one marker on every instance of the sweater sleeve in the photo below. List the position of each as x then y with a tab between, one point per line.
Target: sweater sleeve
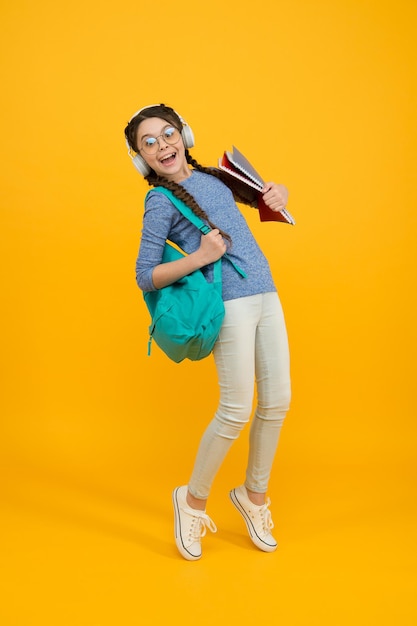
157	222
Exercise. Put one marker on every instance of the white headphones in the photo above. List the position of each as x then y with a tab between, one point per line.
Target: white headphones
138	161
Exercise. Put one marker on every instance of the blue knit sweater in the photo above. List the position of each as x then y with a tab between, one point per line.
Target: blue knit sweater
163	221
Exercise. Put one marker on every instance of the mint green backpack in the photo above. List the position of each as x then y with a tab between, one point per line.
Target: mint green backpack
186	315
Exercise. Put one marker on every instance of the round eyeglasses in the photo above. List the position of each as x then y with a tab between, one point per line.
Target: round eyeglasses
151	145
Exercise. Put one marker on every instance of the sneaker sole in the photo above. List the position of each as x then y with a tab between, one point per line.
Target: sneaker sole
259	543
177	531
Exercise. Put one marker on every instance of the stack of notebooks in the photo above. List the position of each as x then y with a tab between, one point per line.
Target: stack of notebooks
236	165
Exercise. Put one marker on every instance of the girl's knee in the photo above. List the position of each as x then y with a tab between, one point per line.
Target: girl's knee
275	410
232	420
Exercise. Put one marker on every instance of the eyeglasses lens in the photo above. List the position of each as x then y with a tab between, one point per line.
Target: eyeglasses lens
170	135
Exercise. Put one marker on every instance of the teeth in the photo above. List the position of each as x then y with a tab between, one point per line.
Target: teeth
168	156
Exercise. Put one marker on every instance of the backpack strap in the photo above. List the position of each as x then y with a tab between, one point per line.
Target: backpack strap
197	221
184	209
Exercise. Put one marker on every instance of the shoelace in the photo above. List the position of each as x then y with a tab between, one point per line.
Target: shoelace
266	516
200	522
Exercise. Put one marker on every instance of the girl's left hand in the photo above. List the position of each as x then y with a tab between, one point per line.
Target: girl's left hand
275	196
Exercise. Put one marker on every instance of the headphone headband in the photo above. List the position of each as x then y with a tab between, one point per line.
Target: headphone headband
151	106
138	161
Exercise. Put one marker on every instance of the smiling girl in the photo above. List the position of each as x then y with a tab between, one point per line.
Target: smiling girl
252	344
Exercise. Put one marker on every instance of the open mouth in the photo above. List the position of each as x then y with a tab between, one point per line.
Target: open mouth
169	159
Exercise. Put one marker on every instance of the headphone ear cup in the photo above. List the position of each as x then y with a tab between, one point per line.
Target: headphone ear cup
141	165
187	136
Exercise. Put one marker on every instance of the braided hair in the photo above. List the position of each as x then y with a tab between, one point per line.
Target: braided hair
153	179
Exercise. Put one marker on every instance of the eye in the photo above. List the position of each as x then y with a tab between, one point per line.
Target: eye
170	132
149	142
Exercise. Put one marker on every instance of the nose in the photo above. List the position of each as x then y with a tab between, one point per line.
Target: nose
161	142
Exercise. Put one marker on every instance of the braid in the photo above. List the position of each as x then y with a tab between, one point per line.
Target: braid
237	190
179	192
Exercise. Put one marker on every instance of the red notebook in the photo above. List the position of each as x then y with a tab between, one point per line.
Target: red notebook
236	165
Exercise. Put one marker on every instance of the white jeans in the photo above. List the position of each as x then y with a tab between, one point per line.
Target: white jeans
252	346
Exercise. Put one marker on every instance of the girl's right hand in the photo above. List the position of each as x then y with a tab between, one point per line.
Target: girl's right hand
212	246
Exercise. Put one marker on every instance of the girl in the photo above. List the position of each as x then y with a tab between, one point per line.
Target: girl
252	344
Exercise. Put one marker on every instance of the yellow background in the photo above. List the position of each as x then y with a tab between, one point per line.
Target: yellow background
94	434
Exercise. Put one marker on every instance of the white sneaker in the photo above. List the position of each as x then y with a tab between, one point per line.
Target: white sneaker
190	525
257	518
